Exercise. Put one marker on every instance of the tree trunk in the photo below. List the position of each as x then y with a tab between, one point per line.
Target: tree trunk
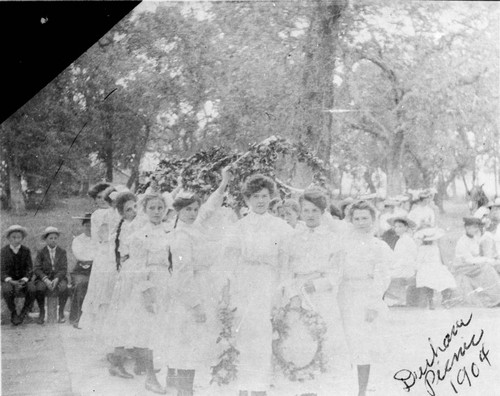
16	195
441	193
108	154
368	179
395	177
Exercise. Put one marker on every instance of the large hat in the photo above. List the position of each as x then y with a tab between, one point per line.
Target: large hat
472	221
496	203
391	202
481	212
16	228
429	234
427	193
402	219
50	230
86	216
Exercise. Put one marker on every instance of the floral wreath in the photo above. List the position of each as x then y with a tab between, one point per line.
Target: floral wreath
317	329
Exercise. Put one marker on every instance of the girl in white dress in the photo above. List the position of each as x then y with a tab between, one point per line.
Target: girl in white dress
432	275
405	255
192	319
314	260
103	275
365	278
140	298
254	255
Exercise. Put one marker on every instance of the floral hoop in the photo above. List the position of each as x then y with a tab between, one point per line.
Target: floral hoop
317	329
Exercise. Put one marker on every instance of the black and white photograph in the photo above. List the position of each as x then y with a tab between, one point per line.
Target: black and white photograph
250	198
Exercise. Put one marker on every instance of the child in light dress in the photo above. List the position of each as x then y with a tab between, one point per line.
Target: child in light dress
432	274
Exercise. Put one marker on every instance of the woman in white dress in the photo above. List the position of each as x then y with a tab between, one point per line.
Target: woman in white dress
365	278
432	275
103	276
254	255
314	261
405	255
140	297
192	319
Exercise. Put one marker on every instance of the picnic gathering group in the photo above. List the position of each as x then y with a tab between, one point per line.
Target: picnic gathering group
152	272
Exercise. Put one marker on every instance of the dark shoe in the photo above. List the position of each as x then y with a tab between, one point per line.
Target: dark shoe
61	320
119	371
15	319
40	320
172	382
154	386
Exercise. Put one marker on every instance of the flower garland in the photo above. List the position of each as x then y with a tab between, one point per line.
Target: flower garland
317	329
226	370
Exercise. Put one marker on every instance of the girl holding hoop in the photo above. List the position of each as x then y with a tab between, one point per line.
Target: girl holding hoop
254	256
314	261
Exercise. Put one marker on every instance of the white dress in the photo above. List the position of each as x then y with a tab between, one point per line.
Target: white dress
365	278
255	250
195	251
431	272
478	282
129	323
315	255
103	276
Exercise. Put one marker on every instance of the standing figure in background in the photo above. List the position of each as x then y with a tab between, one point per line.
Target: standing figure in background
291	209
422	213
51	266
478	282
83	250
405	255
432	274
495	215
254	255
16	273
103	275
365	278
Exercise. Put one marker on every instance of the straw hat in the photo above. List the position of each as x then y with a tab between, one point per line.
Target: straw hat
16	228
494	203
429	234
402	219
50	230
86	216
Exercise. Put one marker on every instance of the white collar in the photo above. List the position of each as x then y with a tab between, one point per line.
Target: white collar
15	249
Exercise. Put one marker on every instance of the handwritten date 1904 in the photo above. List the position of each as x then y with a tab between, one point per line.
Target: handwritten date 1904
432	375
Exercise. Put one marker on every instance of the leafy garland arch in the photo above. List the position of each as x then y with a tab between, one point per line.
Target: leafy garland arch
201	172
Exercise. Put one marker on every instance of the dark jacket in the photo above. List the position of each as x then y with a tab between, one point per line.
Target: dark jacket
43	264
16	266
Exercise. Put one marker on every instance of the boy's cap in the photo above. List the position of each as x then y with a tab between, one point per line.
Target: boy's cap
16	228
50	230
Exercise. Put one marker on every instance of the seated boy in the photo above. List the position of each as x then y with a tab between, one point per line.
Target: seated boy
51	266
16	271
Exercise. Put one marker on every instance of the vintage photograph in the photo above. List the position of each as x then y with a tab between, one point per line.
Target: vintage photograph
259	198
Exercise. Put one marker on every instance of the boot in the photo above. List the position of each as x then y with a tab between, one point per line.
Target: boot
41	317
139	365
14	318
172	381
186	382
151	383
117	369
